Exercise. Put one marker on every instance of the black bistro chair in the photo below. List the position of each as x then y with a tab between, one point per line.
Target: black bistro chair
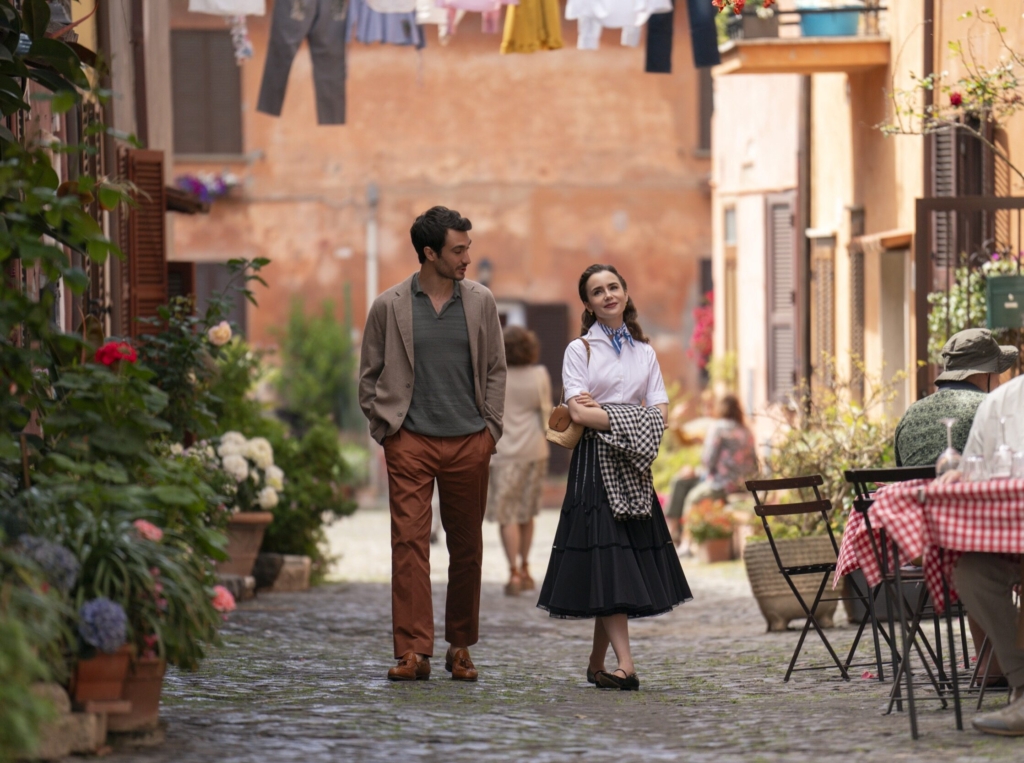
895	580
761	489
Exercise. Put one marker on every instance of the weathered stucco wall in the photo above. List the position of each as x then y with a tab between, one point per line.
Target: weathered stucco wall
561	159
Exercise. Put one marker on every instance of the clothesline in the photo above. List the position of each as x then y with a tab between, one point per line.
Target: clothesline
529	26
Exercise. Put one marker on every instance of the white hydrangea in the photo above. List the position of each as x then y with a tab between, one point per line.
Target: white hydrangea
260	451
268	498
254	475
275	477
236	465
177	449
232	444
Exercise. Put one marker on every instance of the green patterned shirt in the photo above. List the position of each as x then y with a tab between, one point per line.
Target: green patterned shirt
921	437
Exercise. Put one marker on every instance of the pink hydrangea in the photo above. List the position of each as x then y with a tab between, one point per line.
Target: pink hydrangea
223	601
148	530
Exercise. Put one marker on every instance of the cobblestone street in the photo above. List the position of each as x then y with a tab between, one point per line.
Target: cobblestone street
301	677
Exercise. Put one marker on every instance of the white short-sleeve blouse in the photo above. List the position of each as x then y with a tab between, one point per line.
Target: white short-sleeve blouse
632	378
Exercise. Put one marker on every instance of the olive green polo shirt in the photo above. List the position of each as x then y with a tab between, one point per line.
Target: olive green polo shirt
921	436
443	395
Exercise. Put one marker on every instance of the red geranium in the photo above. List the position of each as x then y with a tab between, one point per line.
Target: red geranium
112	352
702	338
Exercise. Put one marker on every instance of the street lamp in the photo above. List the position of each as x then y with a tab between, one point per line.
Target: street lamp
484	272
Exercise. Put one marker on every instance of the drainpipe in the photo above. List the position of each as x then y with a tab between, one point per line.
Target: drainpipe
803	307
372	244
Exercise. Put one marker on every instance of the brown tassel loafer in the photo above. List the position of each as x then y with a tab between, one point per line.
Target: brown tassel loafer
410	668
458	663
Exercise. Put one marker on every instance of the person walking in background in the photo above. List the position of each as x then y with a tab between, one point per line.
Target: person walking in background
432	385
520	464
612	557
728	458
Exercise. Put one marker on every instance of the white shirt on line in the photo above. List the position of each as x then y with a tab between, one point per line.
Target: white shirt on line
632	378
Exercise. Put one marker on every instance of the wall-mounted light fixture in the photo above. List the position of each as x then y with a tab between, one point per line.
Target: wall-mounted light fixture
484	272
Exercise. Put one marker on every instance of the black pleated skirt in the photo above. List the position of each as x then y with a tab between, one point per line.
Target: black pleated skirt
600	566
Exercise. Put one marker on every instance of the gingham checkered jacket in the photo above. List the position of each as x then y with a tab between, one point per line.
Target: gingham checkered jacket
625	455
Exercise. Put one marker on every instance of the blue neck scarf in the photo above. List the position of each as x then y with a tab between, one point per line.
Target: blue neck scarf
617	335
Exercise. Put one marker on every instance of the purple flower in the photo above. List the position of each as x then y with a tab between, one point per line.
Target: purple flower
103	624
58	564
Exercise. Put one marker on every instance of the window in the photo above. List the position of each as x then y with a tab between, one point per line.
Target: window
730	227
731	307
705	108
207	93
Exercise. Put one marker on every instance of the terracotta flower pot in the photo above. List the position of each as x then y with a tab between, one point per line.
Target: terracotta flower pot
715	550
245	536
101	677
142	688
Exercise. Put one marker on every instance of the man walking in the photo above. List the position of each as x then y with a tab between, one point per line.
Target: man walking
432	384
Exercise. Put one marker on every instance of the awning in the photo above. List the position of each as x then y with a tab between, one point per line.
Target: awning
874	243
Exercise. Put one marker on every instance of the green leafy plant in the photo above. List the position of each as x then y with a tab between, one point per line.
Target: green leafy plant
183	351
318	367
965	305
318	490
829	431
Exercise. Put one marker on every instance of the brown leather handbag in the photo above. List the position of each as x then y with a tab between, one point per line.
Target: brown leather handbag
562	430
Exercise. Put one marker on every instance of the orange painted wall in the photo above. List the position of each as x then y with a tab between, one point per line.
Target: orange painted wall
561	159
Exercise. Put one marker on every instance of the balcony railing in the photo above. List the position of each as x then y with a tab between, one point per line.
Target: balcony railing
854	20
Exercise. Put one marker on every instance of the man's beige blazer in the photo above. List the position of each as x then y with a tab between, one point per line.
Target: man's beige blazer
386	365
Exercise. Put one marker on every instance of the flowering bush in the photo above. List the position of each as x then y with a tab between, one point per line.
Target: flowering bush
103	624
223	600
112	352
702	338
148	530
737	6
57	563
208	186
965	305
250	463
709	520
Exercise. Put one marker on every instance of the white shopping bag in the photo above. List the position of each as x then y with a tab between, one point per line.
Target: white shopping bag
229	7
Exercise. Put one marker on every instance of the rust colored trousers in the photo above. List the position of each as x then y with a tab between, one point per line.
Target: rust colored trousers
460	466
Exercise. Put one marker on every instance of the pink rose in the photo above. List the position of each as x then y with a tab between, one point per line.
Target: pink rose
223	601
148	530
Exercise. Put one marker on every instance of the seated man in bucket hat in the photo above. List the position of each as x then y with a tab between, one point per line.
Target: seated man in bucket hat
973	361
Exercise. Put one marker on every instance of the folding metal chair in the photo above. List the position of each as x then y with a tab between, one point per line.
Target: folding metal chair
894	576
826	569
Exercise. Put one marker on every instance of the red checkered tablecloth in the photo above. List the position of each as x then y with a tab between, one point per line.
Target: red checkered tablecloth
938	523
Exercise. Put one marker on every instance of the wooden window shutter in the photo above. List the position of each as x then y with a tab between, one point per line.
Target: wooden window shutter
782	285
206	92
823	289
857	312
705	108
144	230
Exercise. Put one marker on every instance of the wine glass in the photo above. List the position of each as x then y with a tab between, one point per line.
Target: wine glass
949	460
1018	465
974	469
1002	459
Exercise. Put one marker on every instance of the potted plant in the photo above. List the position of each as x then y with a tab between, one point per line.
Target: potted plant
711	527
318	491
257	482
828	429
753	20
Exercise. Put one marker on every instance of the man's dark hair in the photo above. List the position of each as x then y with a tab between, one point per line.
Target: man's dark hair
431	229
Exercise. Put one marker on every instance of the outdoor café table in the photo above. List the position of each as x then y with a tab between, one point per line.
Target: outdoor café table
938	523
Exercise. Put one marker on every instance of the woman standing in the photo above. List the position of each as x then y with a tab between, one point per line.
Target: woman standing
603	567
520	463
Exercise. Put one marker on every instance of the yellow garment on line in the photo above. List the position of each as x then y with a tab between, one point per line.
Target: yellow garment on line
532	25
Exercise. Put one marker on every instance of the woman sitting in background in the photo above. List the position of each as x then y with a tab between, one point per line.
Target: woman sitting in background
520	463
728	459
